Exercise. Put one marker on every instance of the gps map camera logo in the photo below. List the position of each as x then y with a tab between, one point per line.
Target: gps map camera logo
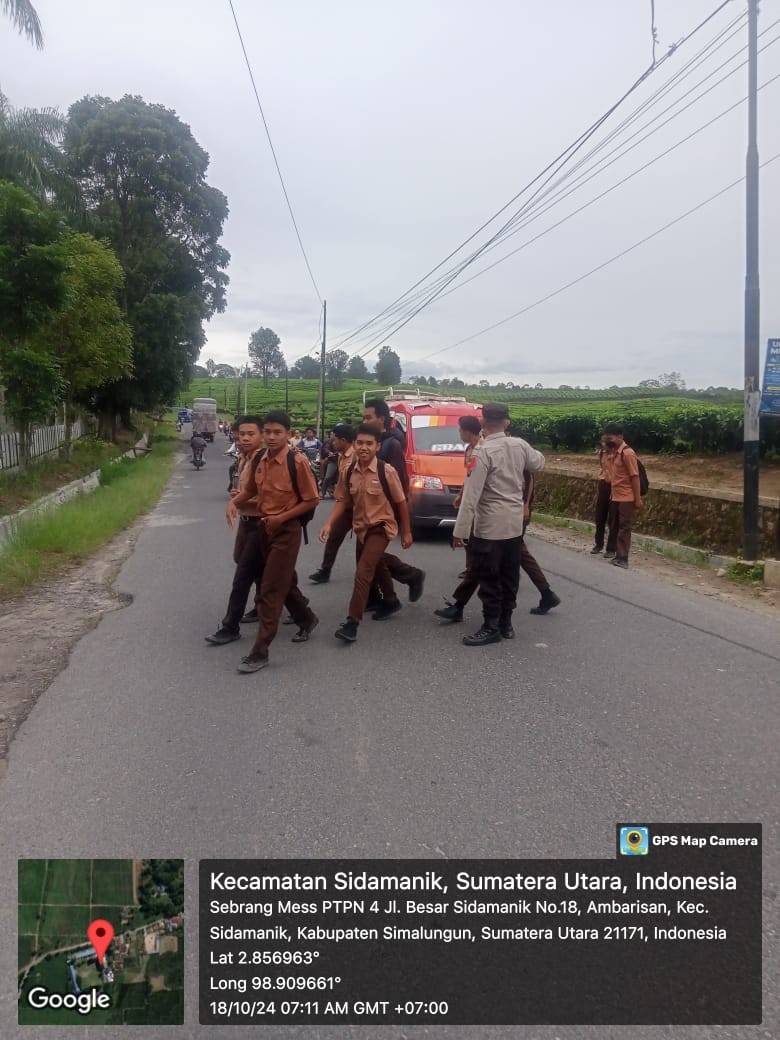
634	841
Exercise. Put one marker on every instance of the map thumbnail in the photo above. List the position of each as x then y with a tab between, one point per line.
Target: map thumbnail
63	979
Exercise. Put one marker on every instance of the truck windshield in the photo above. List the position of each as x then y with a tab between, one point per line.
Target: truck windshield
437	438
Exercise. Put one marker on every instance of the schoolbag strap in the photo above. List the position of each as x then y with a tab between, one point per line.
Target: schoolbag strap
292	470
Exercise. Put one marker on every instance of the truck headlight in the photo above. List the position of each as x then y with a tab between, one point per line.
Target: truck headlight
421	483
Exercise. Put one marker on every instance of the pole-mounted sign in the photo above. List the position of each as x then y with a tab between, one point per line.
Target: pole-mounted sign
770	389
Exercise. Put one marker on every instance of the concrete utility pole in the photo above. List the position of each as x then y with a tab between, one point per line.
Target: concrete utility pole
750	540
321	418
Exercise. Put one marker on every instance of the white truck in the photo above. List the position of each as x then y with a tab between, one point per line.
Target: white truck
204	417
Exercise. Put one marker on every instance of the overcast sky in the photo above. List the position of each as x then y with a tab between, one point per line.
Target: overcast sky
400	128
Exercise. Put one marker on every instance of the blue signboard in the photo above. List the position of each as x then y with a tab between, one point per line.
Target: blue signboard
770	392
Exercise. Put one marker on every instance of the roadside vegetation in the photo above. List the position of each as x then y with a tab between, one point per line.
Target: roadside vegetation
20	489
657	419
47	543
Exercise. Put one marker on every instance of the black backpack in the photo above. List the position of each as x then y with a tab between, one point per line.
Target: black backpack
380	469
644	482
308	516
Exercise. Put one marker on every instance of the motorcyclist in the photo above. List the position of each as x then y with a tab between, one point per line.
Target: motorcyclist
198	445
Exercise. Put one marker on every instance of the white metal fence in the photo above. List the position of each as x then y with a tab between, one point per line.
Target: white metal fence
44	440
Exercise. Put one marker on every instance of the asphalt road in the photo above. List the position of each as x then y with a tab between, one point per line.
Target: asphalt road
635	700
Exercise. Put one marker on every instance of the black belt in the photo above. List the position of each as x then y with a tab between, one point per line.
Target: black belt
249	519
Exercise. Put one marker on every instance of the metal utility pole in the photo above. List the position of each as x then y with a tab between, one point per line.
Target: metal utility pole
286	388
246	388
321	419
750	539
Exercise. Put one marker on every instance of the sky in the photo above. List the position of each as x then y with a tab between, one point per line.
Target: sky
401	128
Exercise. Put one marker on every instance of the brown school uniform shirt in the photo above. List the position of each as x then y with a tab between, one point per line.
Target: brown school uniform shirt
605	465
246	482
623	468
346	458
370	507
275	492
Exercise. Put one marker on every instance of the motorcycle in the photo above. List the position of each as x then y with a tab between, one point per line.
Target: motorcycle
197	458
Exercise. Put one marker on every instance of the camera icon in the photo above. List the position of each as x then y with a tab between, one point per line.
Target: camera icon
634	841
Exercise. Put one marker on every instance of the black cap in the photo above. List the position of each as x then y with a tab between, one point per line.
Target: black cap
495	412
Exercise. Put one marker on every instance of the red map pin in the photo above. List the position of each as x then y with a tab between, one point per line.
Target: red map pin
100	933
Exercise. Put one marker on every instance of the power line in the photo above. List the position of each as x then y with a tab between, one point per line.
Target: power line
571	190
273	151
583	178
559	162
595	270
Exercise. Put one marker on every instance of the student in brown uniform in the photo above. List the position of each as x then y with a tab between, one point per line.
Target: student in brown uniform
625	495
343	438
246	551
372	490
280	505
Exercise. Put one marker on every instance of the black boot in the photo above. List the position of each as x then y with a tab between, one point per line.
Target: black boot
505	627
485	635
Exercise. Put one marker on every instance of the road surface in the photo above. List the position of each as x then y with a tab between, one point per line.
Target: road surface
635	700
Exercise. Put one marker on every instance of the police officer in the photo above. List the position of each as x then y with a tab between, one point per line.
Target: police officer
490	517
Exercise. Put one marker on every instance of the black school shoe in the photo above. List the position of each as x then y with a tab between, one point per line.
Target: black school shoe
303	633
250	618
546	603
482	637
222	636
386	610
320	576
347	631
416	586
452	612
506	631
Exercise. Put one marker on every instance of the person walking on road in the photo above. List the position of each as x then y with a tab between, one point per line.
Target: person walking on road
491	518
285	490
330	464
470	433
603	496
625	495
371	490
377	415
343	438
549	599
246	550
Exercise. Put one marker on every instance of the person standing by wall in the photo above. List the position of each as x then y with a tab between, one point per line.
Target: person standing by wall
491	518
625	496
603	495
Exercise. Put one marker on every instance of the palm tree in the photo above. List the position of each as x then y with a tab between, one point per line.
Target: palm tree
30	154
25	18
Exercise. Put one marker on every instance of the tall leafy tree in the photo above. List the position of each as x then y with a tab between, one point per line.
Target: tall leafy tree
306	368
388	367
25	18
88	334
143	178
336	362
265	354
356	369
32	268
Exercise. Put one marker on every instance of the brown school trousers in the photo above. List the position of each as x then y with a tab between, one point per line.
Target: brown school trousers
277	582
371	567
621	519
338	533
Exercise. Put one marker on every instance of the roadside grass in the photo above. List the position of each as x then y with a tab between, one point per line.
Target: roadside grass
46	543
18	490
745	573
